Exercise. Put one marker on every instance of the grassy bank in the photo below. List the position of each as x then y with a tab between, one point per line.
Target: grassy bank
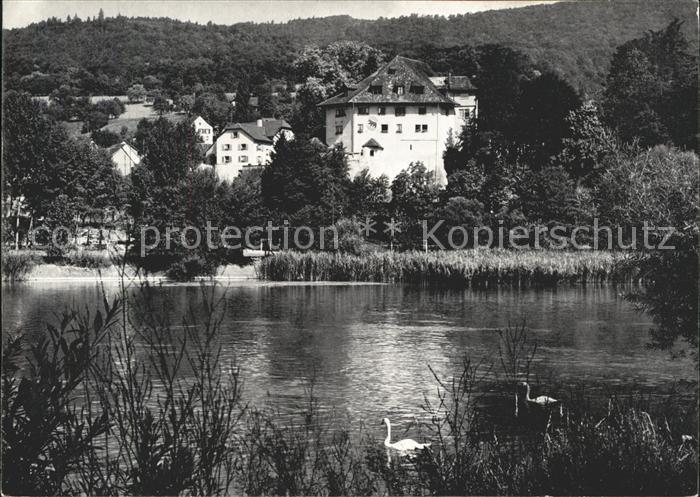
465	267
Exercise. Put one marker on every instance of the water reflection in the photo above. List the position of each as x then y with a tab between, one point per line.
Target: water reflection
368	346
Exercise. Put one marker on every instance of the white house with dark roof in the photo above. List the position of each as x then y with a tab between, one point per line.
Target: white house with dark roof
204	130
246	145
124	157
399	115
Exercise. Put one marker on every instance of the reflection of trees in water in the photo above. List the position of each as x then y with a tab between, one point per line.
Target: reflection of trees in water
670	293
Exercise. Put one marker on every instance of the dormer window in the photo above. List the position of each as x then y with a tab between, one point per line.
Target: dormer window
399	89
375	89
391	70
417	89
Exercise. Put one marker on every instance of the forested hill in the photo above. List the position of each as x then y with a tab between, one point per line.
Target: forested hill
107	55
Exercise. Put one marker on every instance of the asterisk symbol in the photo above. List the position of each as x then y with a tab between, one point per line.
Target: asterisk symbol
367	227
392	227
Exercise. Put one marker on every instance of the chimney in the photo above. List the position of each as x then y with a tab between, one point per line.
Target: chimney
259	123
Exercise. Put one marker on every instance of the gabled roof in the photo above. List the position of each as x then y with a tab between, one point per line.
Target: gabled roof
263	134
128	150
454	83
372	143
400	71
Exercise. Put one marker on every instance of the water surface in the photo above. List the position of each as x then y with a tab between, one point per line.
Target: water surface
368	347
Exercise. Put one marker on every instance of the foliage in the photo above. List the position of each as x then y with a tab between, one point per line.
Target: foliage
305	183
16	265
414	193
105	138
651	81
574	40
46	434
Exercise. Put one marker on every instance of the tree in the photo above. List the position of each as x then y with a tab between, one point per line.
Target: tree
136	93
305	183
586	143
213	108
368	196
105	138
325	72
545	103
161	105
648	89
659	187
94	121
414	194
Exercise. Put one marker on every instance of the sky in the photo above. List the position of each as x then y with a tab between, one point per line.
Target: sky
19	13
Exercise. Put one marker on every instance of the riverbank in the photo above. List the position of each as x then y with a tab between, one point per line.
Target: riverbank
478	268
56	272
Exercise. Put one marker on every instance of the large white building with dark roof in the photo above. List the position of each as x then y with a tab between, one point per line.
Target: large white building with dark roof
400	115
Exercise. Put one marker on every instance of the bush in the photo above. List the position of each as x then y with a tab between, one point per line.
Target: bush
191	267
105	138
88	259
16	265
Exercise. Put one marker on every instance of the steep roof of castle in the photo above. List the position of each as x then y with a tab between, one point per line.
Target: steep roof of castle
402	80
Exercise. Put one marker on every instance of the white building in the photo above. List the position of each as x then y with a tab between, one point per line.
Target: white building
399	115
125	157
246	145
204	130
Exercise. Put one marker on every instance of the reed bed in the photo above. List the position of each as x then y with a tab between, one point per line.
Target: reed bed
478	268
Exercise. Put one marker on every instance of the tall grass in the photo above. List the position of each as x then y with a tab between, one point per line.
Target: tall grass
17	265
464	267
101	405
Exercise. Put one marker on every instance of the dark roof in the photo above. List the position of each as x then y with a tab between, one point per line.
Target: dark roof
265	133
372	143
454	83
400	71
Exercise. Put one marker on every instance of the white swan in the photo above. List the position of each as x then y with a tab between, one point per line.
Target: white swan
405	445
541	401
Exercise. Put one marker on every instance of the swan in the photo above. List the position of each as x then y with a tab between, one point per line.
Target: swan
541	401
405	445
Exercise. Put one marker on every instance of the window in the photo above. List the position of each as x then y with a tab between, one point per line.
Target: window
399	128
385	128
226	146
338	130
242	158
363	110
243	146
259	148
424	128
417	89
227	159
375	89
400	111
381	111
340	112
398	89
391	70
421	111
371	152
235	134
446	110
360	128
417	128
